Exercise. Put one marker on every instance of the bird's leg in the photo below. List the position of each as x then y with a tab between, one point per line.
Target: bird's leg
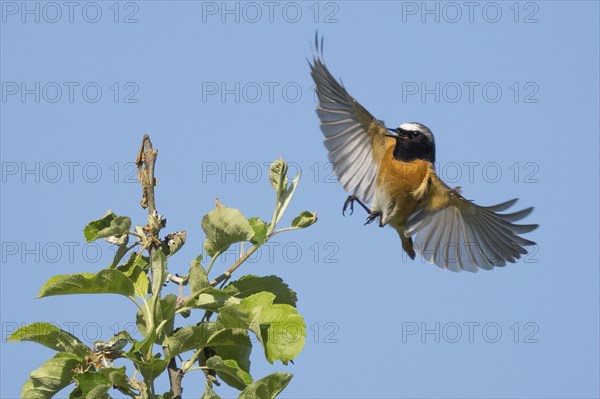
372	216
350	201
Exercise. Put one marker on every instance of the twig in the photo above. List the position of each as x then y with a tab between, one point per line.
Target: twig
234	267
145	162
175	377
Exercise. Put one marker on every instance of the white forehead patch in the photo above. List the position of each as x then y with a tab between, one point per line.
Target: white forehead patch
411	126
415	126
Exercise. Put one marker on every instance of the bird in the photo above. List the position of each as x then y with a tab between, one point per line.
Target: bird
390	172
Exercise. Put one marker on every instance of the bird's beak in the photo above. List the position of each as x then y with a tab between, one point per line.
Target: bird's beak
394	136
400	134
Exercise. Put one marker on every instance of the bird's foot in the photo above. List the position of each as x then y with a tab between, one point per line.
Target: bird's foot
350	202
372	216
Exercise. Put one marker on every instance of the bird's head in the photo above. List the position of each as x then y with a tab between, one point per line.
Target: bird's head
413	141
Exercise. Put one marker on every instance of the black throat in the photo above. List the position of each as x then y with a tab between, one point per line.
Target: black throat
407	152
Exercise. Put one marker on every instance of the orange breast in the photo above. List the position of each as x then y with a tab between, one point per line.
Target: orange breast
398	180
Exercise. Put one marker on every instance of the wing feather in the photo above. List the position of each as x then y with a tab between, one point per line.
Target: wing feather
351	132
480	259
457	234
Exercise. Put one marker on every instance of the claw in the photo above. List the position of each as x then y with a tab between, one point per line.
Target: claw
372	216
349	201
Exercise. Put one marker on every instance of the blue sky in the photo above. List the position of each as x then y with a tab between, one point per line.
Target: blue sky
510	90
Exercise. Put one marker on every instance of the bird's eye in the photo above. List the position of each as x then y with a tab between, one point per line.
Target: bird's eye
416	134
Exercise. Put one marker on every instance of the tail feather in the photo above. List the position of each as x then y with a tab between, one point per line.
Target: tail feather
407	245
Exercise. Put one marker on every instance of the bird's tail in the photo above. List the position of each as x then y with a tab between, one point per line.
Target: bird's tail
407	243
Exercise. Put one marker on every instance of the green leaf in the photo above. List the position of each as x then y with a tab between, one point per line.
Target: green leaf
52	337
279	181
279	327
224	226
95	388
144	345
121	252
173	242
143	261
164	311
198	276
260	228
251	284
209	393
266	388
107	226
91	230
211	299
140	322
278	175
304	220
233	344
230	372
188	338
116	376
152	369
123	334
96	384
159	271
52	376
211	334
158	268
134	261
138	278
107	281
168	305
286	197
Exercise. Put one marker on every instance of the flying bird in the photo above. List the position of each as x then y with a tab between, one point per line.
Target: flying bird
391	174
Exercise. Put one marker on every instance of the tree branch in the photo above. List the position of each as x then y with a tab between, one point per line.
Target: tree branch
175	377
145	161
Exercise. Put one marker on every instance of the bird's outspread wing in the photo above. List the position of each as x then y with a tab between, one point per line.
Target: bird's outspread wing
356	141
457	234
